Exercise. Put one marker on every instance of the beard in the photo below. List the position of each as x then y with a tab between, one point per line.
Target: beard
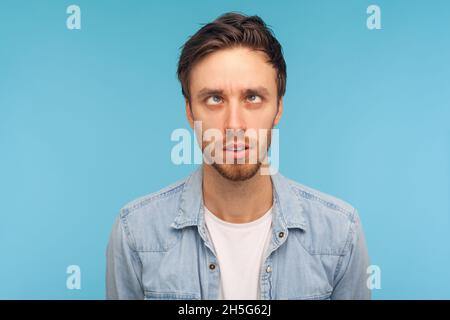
237	172
242	171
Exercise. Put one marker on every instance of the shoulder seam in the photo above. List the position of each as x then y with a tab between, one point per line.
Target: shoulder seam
315	197
166	192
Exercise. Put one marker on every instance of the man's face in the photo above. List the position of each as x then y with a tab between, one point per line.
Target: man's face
234	90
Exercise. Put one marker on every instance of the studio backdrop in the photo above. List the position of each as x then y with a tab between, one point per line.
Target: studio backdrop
89	100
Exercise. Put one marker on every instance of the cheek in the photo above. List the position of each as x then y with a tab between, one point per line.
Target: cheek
208	119
200	113
268	113
262	121
211	123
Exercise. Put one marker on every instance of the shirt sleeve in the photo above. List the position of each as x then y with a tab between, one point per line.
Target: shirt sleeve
351	274
123	266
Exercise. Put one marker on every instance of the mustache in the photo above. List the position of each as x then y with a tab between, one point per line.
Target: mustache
233	138
239	139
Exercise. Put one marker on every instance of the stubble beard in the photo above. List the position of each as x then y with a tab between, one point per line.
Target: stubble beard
241	171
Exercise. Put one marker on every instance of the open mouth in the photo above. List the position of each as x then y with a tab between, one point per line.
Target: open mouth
236	147
236	151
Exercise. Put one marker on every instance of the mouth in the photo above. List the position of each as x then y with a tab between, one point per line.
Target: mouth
237	150
235	147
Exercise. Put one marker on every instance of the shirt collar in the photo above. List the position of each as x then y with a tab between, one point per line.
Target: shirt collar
288	210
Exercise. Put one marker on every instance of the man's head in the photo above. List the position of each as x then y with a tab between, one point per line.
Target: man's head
233	78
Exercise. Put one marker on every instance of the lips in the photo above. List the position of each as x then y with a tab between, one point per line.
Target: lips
236	147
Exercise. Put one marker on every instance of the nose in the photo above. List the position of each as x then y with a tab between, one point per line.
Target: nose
234	119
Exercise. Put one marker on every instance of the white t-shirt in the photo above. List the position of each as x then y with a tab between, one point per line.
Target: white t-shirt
239	248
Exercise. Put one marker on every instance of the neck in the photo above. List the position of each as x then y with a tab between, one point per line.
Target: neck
236	201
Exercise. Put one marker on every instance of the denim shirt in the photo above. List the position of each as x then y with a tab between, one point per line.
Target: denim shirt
159	247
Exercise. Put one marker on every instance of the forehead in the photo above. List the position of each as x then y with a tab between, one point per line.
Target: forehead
233	69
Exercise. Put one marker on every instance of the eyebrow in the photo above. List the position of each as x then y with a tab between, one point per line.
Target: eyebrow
206	92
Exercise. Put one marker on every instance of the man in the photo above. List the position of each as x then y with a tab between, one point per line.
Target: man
229	231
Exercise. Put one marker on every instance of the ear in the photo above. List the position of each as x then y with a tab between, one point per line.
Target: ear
279	112
189	114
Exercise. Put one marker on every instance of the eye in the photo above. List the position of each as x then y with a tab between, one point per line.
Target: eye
254	98
214	100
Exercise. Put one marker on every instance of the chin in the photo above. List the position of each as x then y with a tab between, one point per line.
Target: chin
237	172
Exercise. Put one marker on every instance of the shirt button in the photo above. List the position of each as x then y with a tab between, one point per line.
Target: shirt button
212	266
269	269
281	234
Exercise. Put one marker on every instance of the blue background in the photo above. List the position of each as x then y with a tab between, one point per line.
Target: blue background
86	117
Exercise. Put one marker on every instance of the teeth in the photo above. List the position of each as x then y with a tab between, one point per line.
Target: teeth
236	149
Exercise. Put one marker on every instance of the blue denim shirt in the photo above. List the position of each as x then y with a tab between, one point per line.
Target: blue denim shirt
159	247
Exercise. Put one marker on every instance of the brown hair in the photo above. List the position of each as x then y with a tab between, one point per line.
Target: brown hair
229	30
